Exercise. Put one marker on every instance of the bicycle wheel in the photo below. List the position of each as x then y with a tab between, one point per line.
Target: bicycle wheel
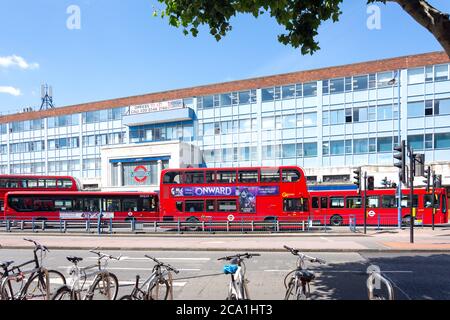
4	294
290	289
63	293
159	290
105	287
127	297
36	287
302	293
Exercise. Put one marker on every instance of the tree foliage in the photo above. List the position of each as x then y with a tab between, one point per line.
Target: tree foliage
300	18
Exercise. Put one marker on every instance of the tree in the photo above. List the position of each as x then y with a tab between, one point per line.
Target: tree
300	18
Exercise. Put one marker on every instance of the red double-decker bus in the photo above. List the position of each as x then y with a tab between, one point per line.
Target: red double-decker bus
233	194
338	207
35	183
79	205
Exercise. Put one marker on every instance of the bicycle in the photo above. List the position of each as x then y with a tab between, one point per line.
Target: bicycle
160	281
238	284
105	283
299	284
37	285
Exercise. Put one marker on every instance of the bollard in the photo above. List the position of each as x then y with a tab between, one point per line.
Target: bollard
378	222
303	225
178	225
278	226
7	226
43	225
155	226
228	225
60	226
110	225
22	225
32	224
253	225
132	225
326	223
87	225
65	226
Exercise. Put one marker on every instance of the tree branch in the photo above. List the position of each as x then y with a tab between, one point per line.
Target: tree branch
434	20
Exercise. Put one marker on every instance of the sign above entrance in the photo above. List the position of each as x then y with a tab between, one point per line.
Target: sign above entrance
157	106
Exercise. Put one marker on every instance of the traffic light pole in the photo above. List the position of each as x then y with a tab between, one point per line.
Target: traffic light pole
365	202
433	200
411	192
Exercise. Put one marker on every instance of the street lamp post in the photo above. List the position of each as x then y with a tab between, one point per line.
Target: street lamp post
399	185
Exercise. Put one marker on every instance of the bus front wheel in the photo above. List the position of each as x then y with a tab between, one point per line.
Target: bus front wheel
336	220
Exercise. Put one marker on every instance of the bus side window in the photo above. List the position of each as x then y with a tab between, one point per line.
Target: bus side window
179	206
337	202
315	203
444	204
290	175
210	177
324	202
172	177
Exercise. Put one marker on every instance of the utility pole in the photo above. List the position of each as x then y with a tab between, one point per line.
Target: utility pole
365	202
401	165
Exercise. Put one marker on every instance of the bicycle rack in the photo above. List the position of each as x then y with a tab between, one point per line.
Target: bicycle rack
376	277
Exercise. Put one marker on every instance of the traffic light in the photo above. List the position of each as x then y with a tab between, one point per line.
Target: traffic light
370	183
427	175
402	157
357	178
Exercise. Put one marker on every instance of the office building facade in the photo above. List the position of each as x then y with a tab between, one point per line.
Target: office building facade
328	121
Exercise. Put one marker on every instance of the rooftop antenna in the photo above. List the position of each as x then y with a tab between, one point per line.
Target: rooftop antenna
46	97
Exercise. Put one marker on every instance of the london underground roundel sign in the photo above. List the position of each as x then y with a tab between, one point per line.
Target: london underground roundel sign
140	174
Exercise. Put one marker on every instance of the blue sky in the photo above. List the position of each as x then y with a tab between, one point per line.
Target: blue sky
121	50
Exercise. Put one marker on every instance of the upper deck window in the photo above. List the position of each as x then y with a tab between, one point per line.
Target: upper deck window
171	177
250	176
194	177
291	175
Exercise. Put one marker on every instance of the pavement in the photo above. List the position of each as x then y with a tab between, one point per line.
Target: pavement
390	240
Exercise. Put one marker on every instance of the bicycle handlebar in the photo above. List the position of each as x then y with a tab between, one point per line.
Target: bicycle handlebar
37	245
239	256
102	255
297	252
161	264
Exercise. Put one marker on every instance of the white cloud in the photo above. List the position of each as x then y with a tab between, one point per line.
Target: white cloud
10	90
17	61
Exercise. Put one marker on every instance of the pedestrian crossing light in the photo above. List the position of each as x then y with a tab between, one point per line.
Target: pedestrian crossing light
370	183
401	156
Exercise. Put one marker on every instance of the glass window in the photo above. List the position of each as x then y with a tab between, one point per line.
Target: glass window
244	97
384	78
208	102
416	142
388	202
360	146
348	84
310	89
428	200
299	153
171	177
270	175
337	85
384	144
442	106
372	80
372	144
360	83
429	108
310	119
250	176
325	148
415	109
337	116
310	149
325	87
354	202
289	121
290	175
315	202
226	206
441	72
416	76
298	90
324	202
289	150
337	147
348	146
268	122
348	115
194	177
373	202
429	141
442	140
337	202
295	205
225	99
288	92
384	112
210	206
360	114
267	94
194	206
226	176
325	118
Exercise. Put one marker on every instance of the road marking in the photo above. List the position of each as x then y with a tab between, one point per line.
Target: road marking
147	259
326	239
273	270
124	268
121	283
